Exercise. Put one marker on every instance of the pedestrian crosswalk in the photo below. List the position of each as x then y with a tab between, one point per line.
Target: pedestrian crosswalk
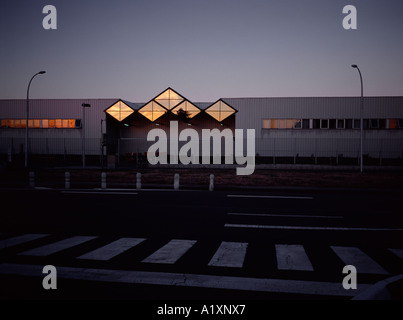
292	257
171	252
229	254
112	249
288	257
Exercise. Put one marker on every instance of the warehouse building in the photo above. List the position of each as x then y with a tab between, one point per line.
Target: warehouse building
287	130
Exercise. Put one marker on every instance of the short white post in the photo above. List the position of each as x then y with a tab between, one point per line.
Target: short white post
9	155
67	180
32	179
138	180
176	181
103	180
211	186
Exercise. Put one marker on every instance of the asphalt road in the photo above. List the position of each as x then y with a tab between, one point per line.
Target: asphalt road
165	244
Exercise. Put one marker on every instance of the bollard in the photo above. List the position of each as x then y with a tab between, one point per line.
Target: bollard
9	155
138	182
176	181
103	180
67	180
32	179
211	186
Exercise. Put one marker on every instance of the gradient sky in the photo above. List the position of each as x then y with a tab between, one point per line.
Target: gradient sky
204	49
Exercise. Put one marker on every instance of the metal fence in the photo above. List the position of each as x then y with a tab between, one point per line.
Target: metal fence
129	151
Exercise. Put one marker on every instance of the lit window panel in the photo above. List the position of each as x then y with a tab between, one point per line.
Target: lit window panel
3	123
17	123
10	123
220	110
72	123
58	123
65	123
281	124
23	123
30	123
169	99
152	111
119	111
266	123
274	123
37	123
51	123
393	124
190	108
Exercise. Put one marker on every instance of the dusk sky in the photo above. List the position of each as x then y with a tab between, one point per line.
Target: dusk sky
204	49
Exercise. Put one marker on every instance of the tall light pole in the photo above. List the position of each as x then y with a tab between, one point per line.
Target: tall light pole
27	118
84	105
361	120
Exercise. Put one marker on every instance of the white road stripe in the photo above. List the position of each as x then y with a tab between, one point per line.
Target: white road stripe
282	215
397	252
229	254
57	246
292	257
357	258
190	280
112	249
267	197
258	226
20	239
171	252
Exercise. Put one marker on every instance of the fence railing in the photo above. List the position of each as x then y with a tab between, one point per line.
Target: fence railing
293	150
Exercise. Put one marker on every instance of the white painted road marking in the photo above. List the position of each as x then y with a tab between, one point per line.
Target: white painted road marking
267	197
20	239
112	249
397	252
171	252
282	215
190	280
357	258
258	226
229	254
292	257
57	246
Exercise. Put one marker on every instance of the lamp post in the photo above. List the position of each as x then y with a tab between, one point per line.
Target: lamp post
84	105
361	119
27	118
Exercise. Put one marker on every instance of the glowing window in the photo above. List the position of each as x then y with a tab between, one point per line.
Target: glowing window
17	123
37	123
23	123
393	124
169	99
266	123
4	123
190	109
72	123
51	123
10	123
58	123
30	123
119	110
45	123
152	111
281	124
220	110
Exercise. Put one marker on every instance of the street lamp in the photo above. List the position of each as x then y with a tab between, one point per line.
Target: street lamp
27	118
84	105
361	120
